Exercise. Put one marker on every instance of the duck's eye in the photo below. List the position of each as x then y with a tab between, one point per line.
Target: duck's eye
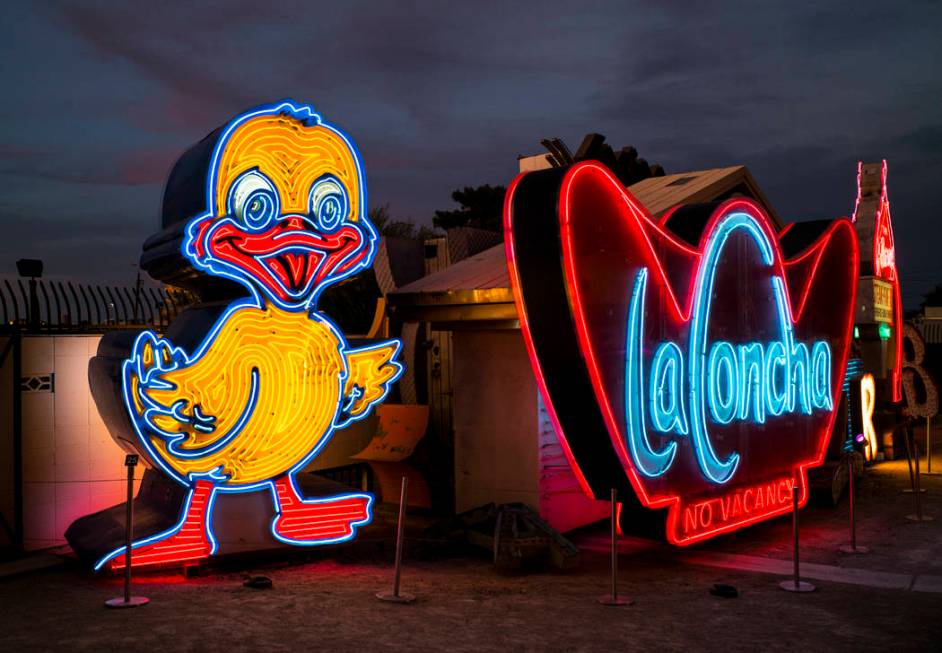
253	199
329	204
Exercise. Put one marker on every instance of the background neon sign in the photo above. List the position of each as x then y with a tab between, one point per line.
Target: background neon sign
883	264
694	363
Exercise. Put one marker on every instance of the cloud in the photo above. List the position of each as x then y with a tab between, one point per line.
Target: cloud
101	98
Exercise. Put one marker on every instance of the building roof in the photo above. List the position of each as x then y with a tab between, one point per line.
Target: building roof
478	287
658	194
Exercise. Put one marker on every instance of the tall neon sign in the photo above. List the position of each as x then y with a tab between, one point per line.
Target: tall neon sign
882	255
693	363
273	378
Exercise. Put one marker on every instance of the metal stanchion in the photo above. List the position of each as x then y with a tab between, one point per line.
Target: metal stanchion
909	441
396	596
929	447
796	584
128	601
917	490
852	547
613	599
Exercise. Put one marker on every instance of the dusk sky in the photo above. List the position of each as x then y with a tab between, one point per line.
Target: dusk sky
100	98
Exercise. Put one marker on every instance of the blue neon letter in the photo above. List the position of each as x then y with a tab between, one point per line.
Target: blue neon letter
667	388
821	375
648	461
723	382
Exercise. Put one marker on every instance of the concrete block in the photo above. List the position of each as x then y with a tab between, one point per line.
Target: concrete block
71	403
38	354
38	410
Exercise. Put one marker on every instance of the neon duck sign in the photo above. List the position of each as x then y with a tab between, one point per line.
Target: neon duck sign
273	379
692	363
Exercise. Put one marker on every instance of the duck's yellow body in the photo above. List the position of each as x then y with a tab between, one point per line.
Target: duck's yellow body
266	392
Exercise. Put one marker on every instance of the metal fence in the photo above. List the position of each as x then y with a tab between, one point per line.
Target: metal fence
64	306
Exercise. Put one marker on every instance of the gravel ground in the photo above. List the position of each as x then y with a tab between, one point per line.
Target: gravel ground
464	605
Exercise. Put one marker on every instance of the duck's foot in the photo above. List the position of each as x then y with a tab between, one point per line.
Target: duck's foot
187	542
317	521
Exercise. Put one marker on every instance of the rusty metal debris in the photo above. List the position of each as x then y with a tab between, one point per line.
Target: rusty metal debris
516	536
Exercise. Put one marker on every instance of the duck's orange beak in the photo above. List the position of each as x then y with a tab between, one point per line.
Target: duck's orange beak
291	259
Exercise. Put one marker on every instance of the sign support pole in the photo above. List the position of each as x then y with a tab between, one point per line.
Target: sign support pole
907	439
614	599
396	596
796	584
852	547
128	601
929	446
917	490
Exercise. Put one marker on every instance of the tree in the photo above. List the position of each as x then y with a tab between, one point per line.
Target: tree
382	219
482	207
933	297
625	163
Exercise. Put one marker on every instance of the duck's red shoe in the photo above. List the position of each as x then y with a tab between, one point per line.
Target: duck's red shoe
317	521
187	542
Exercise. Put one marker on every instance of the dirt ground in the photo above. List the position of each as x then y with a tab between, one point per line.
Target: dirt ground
464	605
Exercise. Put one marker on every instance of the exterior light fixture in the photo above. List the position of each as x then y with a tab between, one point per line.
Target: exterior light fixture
33	269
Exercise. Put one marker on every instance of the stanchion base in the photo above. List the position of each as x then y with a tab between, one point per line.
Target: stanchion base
848	548
802	586
922	490
614	601
119	602
919	517
391	597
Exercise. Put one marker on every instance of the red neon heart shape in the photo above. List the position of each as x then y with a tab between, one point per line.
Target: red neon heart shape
604	238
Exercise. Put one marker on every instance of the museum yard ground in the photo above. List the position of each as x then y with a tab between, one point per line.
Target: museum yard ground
889	599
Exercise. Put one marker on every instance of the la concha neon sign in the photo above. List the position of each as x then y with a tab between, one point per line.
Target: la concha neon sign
693	363
273	379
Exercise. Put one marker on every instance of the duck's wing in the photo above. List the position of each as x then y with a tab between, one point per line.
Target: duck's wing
370	372
193	407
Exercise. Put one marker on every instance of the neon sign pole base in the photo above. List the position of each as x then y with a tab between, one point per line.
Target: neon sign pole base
392	597
920	517
132	602
614	601
795	584
801	586
128	601
395	596
852	548
613	598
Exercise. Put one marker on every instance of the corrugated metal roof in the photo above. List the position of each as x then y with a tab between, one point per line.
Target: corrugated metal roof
487	271
658	194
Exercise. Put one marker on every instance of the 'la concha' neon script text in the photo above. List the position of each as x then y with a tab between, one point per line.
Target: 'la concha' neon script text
749	381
